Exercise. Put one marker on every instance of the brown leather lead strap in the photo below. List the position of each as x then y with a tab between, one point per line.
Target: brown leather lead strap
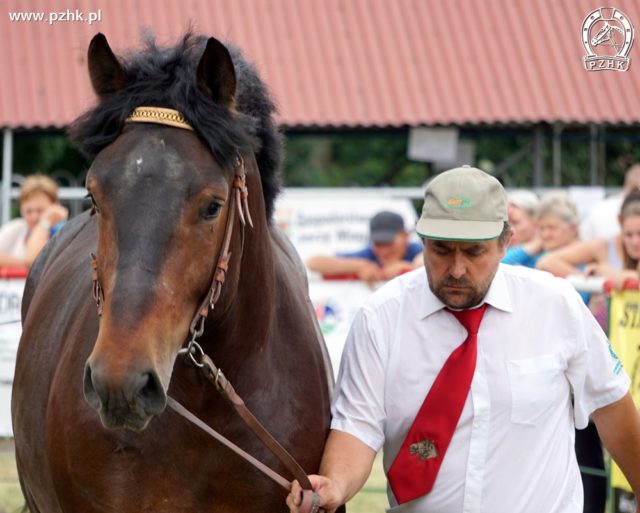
228	392
178	408
310	500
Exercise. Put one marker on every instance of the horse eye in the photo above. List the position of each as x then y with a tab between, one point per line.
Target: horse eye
213	210
94	206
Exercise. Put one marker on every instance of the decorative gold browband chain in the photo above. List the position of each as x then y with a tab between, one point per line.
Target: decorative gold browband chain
160	116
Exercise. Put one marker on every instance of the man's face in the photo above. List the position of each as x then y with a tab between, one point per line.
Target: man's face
391	252
460	273
524	226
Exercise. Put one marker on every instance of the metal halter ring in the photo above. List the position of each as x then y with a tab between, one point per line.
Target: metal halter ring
192	348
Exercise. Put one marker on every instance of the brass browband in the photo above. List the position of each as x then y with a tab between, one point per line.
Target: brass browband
160	116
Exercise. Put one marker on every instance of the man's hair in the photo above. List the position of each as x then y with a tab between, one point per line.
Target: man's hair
39	183
504	235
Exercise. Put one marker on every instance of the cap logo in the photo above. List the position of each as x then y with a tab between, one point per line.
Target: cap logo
458	202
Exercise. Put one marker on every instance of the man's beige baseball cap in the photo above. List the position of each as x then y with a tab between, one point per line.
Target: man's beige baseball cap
464	204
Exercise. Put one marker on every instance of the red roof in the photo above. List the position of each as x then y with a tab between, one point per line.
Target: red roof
343	63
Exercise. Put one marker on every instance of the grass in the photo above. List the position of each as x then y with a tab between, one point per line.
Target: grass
11	500
373	496
371	499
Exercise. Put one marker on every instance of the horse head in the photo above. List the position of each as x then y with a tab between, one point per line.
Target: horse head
602	35
162	200
609	35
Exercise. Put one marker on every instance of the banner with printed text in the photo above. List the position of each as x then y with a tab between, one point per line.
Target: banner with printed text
624	333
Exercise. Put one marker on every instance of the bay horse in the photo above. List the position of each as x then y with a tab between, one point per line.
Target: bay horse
171	130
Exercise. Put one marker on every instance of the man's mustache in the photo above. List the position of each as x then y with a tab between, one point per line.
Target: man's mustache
453	282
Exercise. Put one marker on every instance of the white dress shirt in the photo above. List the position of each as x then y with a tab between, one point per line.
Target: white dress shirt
13	236
543	366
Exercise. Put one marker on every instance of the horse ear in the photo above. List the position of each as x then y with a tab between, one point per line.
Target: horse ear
105	71
216	74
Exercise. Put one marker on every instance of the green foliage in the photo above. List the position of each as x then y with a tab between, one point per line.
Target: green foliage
369	159
350	160
377	159
46	153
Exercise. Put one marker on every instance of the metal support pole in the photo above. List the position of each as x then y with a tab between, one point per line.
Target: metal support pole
7	165
602	155
557	155
593	168
538	157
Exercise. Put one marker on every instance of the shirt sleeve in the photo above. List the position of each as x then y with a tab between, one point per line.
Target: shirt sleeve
596	374
413	250
516	255
358	405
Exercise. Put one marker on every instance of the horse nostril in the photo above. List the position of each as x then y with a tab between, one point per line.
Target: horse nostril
151	393
90	393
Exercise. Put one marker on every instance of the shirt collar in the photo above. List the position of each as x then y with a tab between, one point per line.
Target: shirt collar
497	296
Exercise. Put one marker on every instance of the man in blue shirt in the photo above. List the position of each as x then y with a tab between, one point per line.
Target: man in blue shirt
389	254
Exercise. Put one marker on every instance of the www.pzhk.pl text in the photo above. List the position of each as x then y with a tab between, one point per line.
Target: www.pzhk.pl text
70	15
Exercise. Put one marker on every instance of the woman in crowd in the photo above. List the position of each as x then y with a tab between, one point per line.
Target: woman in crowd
41	215
522	211
616	258
557	227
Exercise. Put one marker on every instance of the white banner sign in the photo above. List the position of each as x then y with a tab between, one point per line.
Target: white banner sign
10	331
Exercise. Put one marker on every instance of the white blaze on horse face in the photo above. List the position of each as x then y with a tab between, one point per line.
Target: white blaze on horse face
139	164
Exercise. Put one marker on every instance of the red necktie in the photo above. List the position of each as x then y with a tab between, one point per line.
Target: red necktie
418	461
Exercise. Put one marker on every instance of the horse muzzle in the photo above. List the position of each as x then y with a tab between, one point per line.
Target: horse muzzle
129	400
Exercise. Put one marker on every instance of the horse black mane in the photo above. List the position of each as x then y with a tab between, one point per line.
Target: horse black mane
166	77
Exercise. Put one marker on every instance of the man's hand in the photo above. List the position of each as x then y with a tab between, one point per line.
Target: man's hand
346	465
330	495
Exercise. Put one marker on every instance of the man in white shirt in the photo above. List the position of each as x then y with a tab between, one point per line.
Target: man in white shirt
540	366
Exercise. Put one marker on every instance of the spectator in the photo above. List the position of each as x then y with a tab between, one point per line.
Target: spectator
602	219
474	399
557	226
523	212
615	258
389	253
40	217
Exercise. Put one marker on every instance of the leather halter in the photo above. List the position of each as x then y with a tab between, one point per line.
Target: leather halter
239	201
238	204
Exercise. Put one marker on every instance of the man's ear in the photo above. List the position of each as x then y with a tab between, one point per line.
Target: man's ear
507	241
